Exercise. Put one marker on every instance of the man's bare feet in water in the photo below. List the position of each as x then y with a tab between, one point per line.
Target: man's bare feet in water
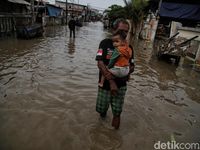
116	122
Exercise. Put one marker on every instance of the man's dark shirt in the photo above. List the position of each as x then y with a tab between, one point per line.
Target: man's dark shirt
104	54
72	24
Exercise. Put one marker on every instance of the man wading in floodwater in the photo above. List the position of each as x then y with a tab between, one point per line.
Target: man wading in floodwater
114	89
72	25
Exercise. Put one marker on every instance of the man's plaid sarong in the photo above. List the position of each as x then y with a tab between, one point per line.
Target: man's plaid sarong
104	98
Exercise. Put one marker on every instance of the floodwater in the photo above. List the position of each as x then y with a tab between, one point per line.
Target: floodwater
48	89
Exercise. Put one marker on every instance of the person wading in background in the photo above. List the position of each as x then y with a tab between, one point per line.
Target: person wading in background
72	25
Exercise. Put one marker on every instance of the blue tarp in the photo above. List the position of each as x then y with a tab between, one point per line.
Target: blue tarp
180	11
54	11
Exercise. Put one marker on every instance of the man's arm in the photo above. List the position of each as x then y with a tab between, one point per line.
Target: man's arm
132	67
132	62
108	75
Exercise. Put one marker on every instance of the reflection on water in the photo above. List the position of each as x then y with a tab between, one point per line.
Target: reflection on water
48	92
71	46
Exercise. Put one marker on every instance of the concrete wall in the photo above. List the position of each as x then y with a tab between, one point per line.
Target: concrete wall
150	27
51	21
6	26
9	22
187	33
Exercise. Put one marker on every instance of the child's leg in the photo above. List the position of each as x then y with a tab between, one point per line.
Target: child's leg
101	81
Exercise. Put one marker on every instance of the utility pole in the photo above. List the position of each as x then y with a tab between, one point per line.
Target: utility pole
159	5
66	11
32	12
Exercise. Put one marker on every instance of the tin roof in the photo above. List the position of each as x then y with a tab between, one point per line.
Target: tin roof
19	2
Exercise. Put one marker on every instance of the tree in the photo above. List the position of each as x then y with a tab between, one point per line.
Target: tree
136	11
114	12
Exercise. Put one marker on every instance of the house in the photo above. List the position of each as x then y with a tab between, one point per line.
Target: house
54	15
183	17
77	10
13	13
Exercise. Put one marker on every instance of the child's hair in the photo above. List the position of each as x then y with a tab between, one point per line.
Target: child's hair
121	34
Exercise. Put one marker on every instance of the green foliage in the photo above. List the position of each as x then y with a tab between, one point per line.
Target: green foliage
136	10
115	11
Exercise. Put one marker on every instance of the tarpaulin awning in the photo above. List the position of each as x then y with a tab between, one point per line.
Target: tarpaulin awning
19	2
180	11
53	11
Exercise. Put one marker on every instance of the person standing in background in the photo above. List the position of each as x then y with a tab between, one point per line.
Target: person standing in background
72	25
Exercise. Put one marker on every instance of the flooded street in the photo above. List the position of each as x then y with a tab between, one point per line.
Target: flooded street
48	89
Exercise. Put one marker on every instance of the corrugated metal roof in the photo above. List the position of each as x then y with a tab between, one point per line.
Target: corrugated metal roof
19	2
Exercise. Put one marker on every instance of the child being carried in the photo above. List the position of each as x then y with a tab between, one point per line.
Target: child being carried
119	62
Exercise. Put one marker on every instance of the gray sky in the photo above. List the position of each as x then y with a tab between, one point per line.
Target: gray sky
96	3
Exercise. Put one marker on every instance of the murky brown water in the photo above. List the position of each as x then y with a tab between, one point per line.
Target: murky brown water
48	93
